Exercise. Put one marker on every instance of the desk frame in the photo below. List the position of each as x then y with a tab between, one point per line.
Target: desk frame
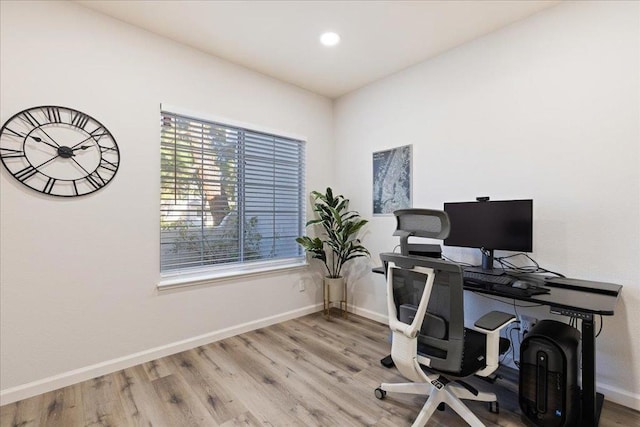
582	304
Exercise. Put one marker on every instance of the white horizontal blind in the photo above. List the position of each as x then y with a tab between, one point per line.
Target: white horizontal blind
229	195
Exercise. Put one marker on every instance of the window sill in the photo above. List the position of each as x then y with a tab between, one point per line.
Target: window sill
210	276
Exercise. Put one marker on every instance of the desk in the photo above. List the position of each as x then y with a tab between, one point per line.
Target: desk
583	304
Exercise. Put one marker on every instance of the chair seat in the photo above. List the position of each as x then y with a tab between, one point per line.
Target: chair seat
474	352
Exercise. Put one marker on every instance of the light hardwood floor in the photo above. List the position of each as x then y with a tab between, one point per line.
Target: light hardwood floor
305	372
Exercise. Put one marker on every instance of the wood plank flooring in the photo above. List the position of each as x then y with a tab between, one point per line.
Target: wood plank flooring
305	372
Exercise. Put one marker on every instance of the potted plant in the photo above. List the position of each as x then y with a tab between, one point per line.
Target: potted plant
336	245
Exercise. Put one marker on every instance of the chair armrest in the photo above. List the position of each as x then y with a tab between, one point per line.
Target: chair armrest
491	324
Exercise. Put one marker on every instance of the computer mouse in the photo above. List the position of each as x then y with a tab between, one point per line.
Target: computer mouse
520	284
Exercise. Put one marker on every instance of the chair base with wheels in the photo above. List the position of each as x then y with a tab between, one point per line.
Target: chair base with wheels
442	392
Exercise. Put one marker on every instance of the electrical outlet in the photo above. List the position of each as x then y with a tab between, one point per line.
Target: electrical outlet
301	285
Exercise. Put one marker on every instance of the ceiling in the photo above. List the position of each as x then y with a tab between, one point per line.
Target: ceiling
281	38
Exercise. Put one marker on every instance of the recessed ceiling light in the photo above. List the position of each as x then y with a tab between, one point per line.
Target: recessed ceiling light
329	39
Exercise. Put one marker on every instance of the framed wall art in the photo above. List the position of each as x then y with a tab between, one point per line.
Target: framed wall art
392	180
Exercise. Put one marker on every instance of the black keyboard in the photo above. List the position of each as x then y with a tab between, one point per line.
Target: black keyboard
501	284
486	279
509	291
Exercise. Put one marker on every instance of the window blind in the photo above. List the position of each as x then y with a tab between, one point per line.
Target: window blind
229	195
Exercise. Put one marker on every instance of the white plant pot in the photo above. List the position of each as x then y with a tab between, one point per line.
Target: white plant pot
335	294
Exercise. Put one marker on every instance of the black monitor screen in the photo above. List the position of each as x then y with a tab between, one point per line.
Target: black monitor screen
504	224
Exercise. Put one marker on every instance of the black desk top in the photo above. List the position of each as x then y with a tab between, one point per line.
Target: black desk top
594	297
571	299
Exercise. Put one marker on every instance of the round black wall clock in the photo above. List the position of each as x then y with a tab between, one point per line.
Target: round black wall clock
58	151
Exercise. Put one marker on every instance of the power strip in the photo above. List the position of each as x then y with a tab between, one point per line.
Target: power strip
571	313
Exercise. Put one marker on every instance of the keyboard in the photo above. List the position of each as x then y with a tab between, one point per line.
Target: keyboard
486	279
501	284
507	290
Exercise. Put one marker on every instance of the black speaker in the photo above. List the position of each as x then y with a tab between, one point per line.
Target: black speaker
549	392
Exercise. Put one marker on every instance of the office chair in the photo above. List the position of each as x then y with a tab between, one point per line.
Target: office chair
430	345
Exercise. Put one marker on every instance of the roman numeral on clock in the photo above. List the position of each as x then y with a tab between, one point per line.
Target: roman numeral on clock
11	153
26	173
13	132
99	133
106	149
96	180
79	120
28	118
53	114
48	187
106	164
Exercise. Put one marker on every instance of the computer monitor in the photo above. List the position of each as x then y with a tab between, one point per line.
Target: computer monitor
491	225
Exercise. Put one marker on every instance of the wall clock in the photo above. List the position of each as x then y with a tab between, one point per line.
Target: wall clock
58	151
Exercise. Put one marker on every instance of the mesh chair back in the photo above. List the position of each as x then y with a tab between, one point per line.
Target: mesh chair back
441	337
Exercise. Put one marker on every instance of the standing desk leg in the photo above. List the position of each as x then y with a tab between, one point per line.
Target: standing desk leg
590	405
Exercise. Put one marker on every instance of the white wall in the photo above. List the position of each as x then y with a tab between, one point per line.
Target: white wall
78	295
548	109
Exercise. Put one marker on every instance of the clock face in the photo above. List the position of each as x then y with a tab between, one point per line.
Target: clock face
58	151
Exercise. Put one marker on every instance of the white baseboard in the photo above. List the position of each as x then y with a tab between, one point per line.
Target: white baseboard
382	318
619	396
65	379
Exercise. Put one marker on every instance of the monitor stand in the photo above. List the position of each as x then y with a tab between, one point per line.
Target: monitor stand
487	265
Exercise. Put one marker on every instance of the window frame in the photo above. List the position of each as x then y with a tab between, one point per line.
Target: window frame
210	274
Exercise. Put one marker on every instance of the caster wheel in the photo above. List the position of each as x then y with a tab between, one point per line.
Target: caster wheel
380	393
494	407
441	407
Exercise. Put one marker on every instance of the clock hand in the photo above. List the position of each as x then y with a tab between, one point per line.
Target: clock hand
49	136
68	152
83	141
37	139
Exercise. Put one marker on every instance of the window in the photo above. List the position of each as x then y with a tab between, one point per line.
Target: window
231	198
